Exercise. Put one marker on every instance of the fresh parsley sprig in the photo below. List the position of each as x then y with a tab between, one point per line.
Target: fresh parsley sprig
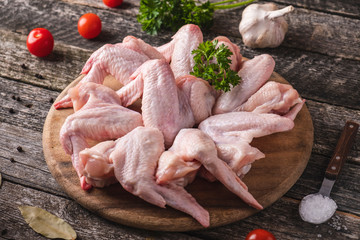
172	14
212	63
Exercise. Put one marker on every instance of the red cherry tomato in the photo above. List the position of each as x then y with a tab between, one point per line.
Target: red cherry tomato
112	3
40	42
89	25
260	234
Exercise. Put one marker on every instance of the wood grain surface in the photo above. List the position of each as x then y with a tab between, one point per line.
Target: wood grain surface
319	57
287	155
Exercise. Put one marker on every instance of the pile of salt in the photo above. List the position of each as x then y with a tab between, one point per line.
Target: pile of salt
316	208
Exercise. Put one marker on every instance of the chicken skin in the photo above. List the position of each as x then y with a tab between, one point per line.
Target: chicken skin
132	159
233	132
254	73
119	60
192	145
168	104
97	121
87	91
236	57
186	128
178	51
273	97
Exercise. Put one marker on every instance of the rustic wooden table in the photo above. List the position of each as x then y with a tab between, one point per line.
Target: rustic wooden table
320	57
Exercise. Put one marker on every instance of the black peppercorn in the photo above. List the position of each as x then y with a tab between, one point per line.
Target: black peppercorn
23	66
19	149
39	76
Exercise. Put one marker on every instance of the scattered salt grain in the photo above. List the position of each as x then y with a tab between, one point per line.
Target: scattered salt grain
337	224
316	208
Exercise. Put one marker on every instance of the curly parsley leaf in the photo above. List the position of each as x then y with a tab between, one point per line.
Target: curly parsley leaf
201	15
155	15
212	63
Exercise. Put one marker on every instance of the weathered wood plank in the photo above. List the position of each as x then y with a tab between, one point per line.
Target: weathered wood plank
323	33
29	168
115	24
130	7
286	225
23	112
53	72
315	76
350	8
329	121
283	220
329	77
307	29
86	224
343	191
328	80
24	105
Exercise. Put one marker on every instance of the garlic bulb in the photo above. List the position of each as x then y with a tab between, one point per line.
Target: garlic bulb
263	25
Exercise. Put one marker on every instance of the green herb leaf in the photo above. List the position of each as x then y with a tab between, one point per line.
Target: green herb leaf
46	223
201	15
152	15
212	64
155	15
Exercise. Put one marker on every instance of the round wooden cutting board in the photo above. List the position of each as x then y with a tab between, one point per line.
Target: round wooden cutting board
269	179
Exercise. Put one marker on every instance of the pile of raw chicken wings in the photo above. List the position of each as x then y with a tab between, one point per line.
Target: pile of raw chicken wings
186	128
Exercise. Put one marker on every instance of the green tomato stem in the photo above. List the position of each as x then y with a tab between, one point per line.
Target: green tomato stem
222	2
233	5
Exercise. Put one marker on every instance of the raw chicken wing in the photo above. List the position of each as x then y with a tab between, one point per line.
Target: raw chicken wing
168	104
119	60
236	55
254	73
116	60
178	50
239	156
199	94
140	46
87	91
97	121
193	145
135	159
233	132
98	169
273	97
244	126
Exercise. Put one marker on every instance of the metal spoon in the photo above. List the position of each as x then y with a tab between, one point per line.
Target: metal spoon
319	207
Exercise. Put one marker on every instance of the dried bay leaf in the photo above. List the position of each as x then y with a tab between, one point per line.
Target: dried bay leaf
0	180
46	223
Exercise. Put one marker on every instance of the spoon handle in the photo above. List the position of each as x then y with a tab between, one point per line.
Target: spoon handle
343	146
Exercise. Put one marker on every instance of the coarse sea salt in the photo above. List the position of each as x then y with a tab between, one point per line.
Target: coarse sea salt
316	208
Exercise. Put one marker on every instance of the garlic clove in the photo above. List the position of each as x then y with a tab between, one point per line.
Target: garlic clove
279	13
263	25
